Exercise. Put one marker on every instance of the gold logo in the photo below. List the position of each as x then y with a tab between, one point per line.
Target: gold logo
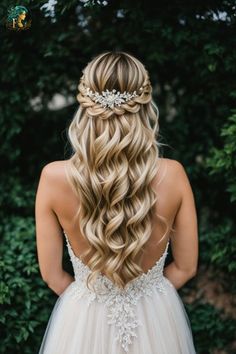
18	18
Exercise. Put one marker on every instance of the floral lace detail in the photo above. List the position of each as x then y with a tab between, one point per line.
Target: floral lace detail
120	302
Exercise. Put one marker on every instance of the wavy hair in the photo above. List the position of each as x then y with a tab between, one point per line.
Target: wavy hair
114	161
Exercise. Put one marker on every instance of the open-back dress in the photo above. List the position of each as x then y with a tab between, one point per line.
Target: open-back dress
147	317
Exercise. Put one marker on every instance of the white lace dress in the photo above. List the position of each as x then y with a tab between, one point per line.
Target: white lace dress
148	317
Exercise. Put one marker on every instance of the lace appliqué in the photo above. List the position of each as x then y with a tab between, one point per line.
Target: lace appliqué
119	302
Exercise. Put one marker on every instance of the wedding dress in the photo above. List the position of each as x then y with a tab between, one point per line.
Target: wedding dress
147	317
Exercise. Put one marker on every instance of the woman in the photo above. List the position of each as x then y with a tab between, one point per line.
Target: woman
120	207
16	17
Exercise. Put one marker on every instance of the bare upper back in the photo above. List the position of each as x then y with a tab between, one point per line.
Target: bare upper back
66	203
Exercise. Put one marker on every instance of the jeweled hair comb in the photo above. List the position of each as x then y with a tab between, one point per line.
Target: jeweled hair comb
110	98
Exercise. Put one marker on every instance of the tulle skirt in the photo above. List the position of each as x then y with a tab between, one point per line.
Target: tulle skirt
75	328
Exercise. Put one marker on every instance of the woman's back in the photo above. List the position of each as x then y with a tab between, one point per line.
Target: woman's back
122	205
148	316
66	204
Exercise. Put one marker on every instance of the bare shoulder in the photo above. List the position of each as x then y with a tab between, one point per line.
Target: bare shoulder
174	165
172	169
178	174
55	171
54	166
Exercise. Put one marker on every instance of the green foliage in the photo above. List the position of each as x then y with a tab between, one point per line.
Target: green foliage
222	160
212	329
189	50
218	244
23	294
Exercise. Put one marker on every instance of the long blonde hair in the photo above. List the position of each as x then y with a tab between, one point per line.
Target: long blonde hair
114	161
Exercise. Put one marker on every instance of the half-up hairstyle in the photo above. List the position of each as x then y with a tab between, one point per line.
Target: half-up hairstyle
114	160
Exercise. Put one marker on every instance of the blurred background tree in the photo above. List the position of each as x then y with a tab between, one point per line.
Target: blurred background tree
189	49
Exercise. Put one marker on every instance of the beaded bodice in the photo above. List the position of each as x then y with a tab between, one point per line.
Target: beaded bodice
120	303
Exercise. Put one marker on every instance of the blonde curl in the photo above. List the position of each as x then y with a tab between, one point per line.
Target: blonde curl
114	161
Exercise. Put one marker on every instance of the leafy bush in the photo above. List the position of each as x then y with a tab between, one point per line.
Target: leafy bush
25	298
212	330
222	161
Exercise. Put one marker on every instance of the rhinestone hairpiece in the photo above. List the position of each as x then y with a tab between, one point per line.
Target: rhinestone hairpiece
110	98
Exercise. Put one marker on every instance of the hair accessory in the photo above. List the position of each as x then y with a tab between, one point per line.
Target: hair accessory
110	98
